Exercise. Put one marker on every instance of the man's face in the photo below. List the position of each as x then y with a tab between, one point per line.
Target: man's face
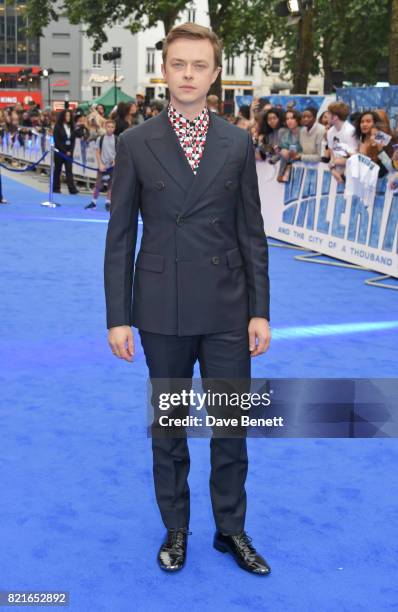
190	70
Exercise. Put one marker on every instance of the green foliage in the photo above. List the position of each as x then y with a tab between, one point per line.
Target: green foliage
349	35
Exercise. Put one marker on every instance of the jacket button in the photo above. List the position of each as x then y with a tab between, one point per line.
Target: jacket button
179	219
229	184
159	185
215	260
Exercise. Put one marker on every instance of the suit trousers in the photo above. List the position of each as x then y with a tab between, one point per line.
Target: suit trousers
58	163
221	355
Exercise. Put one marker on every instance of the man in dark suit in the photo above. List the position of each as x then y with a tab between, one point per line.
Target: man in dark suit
200	287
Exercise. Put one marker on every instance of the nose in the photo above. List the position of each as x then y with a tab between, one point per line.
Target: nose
188	72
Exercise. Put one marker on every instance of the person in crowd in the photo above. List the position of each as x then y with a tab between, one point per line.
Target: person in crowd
100	108
244	112
156	107
324	119
289	144
140	112
81	130
213	103
242	122
64	141
341	139
122	117
105	152
134	114
270	134
26	120
93	129
96	122
375	139
311	136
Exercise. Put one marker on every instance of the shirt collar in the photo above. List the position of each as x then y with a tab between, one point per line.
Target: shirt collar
201	119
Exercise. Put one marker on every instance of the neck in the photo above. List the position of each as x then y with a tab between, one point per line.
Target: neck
191	110
338	124
310	126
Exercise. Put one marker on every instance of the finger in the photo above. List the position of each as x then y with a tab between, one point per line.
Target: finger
252	340
130	345
112	346
123	354
260	346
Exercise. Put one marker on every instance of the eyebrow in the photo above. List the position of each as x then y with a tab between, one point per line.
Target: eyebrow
178	59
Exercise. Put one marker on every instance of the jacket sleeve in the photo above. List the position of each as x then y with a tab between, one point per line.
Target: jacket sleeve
121	238
252	239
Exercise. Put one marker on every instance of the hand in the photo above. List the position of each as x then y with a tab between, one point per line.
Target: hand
378	145
121	341
102	167
259	330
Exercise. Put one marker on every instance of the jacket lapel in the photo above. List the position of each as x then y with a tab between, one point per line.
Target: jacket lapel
213	159
165	146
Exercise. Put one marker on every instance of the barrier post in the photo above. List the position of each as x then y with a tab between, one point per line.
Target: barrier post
49	203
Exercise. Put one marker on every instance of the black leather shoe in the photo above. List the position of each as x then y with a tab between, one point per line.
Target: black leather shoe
173	552
241	548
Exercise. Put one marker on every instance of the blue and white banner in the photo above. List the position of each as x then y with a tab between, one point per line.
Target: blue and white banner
312	211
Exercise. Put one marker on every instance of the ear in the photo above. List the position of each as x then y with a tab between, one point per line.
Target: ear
163	69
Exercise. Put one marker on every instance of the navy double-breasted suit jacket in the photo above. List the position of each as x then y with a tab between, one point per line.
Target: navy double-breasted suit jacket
202	266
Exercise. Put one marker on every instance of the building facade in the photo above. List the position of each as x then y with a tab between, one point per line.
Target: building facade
80	74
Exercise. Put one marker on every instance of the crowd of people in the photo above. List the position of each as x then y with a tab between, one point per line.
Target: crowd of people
280	135
333	137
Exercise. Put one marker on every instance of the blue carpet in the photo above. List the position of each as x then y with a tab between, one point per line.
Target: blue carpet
77	508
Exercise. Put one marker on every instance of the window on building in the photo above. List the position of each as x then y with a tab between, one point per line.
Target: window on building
150	60
249	64
97	57
247	92
15	47
60	54
118	61
95	92
276	64
60	35
149	94
229	101
313	92
191	14
230	65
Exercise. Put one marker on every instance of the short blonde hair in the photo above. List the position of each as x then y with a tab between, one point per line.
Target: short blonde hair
212	100
193	31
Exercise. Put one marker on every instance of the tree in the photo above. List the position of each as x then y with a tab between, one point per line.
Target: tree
393	47
348	35
236	22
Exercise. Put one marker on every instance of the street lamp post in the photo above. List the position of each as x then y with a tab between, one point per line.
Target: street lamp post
46	73
112	56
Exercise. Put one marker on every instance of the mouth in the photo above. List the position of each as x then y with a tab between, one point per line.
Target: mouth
187	87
